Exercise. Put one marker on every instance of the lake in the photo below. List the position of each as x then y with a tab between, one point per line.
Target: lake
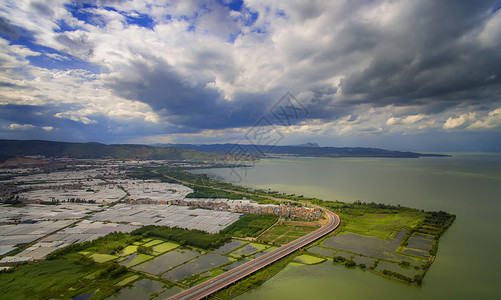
468	259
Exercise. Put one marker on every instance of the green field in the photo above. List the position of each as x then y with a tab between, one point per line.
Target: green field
164	247
382	225
283	234
309	259
153	243
101	258
62	278
250	225
138	259
128	280
129	250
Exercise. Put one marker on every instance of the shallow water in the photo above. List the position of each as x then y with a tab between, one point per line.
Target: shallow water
468	260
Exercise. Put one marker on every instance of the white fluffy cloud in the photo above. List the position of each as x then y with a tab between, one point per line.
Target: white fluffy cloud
20	126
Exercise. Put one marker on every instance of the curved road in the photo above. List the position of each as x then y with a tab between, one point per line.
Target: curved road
217	283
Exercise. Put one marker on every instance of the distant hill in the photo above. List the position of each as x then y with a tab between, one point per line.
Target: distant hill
309	144
13	148
309	150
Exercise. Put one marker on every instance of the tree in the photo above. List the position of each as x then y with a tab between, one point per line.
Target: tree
144	250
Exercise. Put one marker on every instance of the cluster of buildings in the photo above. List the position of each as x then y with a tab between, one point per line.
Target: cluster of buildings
248	206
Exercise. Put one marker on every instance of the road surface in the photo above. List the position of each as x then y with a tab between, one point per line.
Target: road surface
217	283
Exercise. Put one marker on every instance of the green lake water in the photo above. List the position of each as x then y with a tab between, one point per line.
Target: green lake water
469	258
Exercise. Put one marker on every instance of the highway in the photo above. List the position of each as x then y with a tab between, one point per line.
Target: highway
217	283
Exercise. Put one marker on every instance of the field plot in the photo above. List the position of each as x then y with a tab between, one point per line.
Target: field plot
150	286
129	294
249	249
203	263
236	264
368	245
168	293
129	250
166	261
344	254
135	259
367	261
384	226
153	243
128	280
101	258
228	247
420	244
414	252
326	252
164	247
308	259
283	234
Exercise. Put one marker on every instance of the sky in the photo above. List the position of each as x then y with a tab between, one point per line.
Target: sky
397	74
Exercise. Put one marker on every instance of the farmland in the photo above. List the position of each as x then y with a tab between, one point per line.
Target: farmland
284	233
113	263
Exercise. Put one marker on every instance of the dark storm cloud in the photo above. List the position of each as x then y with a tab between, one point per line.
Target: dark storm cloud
434	53
185	103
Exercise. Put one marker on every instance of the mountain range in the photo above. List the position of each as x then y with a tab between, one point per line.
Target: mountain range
12	148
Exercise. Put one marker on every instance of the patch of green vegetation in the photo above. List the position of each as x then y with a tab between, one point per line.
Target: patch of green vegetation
309	259
144	250
140	258
164	247
101	258
153	243
60	278
282	234
195	238
199	278
129	250
382	225
250	225
128	280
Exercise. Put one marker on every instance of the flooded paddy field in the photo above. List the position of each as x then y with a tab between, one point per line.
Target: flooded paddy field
367	261
145	289
326	252
249	249
165	262
419	243
368	245
229	247
204	263
135	259
236	264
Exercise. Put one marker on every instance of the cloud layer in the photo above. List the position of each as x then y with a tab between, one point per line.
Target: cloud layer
207	71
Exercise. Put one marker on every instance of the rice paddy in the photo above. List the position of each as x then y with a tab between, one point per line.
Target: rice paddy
164	262
203	263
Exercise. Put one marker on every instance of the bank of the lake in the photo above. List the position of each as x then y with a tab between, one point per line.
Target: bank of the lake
468	259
